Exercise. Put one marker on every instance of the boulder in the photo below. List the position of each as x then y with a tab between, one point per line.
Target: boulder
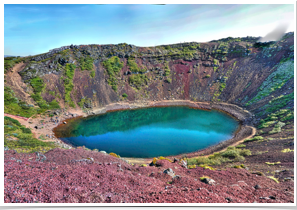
208	181
169	171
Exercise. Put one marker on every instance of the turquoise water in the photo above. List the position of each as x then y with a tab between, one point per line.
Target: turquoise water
150	132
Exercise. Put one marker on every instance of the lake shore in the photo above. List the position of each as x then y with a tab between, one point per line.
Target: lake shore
44	127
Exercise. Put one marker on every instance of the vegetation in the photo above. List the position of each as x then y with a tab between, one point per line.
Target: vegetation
68	83
134	67
274	119
222	87
39	86
207	76
239	166
114	155
216	63
274	81
268	163
273	178
9	62
160	158
113	66
13	105
277	128
256	138
92	74
86	63
287	150
138	80
240	146
125	95
217	158
20	138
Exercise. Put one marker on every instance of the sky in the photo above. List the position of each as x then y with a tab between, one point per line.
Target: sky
31	29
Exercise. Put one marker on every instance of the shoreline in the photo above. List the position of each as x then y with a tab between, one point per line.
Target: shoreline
46	129
244	117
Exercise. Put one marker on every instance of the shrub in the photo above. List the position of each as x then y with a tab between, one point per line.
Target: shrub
113	66
230	153
134	67
92	74
68	82
207	167
273	178
54	104
240	146
191	166
163	158
207	76
143	165
167	70
204	177
114	155
26	130
287	150
169	80
245	152
86	63
256	138
239	166
125	95
16	122
138	80
218	158
268	163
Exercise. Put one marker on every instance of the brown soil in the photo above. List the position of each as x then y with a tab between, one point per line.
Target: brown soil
14	80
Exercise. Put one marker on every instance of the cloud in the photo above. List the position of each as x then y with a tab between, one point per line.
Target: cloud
277	33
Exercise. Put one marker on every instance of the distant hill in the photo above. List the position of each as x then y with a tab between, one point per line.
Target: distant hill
9	56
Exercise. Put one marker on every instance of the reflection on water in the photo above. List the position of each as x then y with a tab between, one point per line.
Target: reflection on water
150	132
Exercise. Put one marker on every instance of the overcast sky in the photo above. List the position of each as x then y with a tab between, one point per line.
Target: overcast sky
35	29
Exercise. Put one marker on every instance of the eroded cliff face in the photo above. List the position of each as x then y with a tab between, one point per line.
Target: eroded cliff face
237	71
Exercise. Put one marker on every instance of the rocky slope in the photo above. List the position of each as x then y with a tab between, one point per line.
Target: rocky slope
258	77
232	70
77	175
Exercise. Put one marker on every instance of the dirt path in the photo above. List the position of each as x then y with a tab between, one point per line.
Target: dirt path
16	117
14	80
238	142
46	125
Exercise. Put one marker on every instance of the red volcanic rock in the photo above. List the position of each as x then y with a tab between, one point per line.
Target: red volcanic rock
72	176
163	163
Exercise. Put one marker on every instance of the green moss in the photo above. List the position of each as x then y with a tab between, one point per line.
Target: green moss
274	81
68	83
222	86
256	138
81	103
218	158
268	163
86	63
9	62
240	146
134	67
287	150
138	80
92	74
13	105
273	178
113	66
24	141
